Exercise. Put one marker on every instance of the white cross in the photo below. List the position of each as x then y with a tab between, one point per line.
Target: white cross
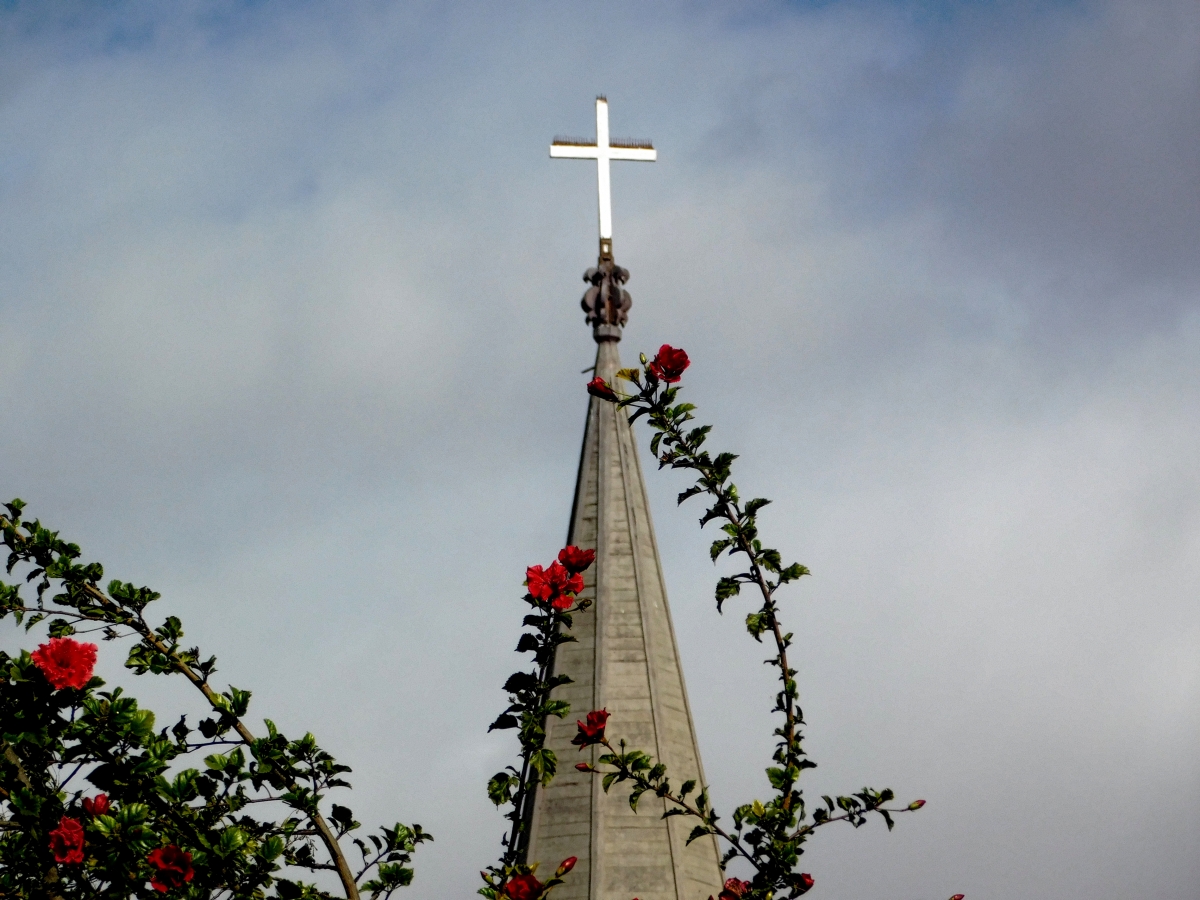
602	151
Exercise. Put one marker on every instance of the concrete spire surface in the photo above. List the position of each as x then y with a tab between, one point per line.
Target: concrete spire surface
625	659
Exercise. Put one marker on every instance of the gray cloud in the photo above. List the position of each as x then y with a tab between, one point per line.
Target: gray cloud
290	332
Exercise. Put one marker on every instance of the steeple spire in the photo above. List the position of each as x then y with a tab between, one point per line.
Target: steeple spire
625	659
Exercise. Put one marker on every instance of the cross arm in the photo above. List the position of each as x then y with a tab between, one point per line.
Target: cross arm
574	151
642	154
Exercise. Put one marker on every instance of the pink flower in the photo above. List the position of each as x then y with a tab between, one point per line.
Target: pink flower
66	841
66	662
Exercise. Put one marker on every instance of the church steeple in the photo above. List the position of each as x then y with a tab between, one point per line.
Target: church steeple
625	659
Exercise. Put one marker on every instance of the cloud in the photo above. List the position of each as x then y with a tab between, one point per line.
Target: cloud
290	332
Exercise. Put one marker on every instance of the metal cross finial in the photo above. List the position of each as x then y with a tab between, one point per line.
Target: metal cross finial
602	151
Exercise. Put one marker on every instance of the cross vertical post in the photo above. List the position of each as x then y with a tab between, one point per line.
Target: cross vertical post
603	150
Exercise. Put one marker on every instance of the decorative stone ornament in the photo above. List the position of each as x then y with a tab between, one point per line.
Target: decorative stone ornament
606	303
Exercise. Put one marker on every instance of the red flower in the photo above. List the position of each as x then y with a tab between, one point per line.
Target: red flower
804	882
567	865
552	583
959	897
584	767
598	387
591	731
734	889
576	560
523	887
669	363
96	806
66	841
174	868
66	662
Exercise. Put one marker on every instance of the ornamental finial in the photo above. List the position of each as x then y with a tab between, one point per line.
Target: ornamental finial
605	302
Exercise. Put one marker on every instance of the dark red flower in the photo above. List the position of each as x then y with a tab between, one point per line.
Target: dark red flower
523	887
804	881
959	897
567	865
576	560
583	767
66	841
96	806
66	662
735	889
174	868
591	731
668	364
598	387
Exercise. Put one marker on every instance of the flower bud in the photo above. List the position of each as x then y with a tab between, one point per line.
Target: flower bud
916	804
958	897
584	767
566	865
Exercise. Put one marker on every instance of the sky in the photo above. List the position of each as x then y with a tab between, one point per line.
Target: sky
289	331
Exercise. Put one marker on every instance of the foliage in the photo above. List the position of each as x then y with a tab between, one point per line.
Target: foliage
551	597
251	816
769	835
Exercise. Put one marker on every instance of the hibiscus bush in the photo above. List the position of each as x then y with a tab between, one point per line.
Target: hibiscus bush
768	835
97	801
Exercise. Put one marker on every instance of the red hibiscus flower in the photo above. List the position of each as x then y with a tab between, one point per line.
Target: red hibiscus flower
174	868
66	662
552	583
735	889
567	865
523	887
66	841
591	731
804	882
668	364
538	584
96	806
576	560
598	387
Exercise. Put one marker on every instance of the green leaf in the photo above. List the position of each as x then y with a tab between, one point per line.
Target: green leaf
755	505
726	588
757	623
